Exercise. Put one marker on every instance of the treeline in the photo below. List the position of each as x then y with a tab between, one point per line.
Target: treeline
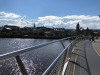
9	31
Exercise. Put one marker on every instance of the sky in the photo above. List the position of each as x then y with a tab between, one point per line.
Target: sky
51	13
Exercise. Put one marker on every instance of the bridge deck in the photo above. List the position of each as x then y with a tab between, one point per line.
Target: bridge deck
85	59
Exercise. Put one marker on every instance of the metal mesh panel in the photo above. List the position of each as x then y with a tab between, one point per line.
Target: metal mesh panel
37	61
69	51
57	70
65	42
9	67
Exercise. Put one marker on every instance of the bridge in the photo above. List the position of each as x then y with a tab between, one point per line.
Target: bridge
80	57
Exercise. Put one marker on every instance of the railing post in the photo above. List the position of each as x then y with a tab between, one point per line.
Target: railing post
62	44
64	61
21	65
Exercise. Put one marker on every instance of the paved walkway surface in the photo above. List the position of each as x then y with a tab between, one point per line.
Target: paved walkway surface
96	46
84	60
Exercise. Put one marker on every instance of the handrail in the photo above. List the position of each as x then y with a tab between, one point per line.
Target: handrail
17	54
55	61
48	70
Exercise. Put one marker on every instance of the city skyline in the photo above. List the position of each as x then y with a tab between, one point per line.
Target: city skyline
50	13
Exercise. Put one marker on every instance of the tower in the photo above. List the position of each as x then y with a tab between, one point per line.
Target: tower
78	28
34	26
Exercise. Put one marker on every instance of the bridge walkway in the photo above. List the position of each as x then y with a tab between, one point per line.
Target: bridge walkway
84	59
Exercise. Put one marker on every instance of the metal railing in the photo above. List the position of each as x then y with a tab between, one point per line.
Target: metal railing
57	65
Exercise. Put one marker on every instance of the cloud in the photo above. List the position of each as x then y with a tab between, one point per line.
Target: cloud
69	21
8	15
13	19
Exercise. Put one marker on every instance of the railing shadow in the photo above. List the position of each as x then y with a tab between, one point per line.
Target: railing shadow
75	63
78	63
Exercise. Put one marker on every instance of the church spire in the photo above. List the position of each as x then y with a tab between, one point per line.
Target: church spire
78	26
34	25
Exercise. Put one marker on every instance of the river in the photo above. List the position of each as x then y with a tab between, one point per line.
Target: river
36	62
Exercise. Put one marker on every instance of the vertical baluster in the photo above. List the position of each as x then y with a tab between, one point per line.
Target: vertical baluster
21	65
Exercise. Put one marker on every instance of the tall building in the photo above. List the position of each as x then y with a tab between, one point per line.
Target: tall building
78	28
34	25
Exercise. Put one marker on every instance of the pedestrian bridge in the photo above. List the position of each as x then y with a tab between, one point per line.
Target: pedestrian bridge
76	58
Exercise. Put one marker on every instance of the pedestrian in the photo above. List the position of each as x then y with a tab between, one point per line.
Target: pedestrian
92	38
96	37
89	37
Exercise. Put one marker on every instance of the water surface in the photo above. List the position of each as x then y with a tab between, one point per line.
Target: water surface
35	62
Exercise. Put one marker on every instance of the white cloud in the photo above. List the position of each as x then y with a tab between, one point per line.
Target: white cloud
69	21
8	15
13	19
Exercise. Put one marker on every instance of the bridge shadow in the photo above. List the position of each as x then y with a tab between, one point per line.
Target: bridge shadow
79	62
79	55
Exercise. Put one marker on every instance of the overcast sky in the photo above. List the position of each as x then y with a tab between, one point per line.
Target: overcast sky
51	13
